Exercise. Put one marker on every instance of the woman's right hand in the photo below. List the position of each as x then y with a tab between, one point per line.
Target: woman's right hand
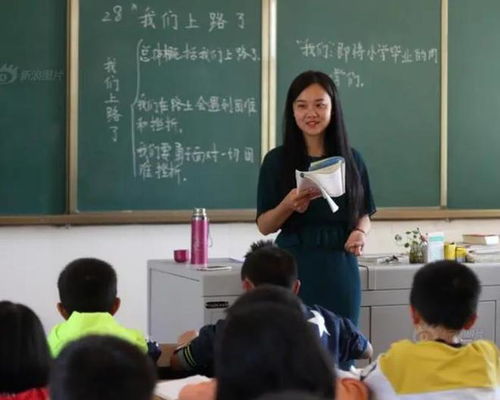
299	201
294	201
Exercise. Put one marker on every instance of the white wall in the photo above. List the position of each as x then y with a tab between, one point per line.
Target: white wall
32	257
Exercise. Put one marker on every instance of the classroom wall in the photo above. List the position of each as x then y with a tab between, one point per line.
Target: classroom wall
32	257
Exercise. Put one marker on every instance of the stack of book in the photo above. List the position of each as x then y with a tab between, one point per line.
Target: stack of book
482	248
480	238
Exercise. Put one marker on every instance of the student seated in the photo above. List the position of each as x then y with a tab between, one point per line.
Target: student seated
24	354
266	346
87	292
267	264
102	367
443	302
269	350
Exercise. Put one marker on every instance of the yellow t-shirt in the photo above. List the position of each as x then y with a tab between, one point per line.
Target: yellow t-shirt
435	370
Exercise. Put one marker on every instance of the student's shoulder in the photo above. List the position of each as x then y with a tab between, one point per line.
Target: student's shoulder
207	333
488	348
333	322
400	352
328	315
315	308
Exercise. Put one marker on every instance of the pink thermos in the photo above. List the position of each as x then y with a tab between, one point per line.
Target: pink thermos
199	237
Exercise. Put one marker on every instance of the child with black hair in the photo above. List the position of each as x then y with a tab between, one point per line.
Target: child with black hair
277	350
102	367
88	302
443	302
266	263
24	354
267	345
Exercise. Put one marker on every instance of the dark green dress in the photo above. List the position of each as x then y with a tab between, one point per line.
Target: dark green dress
329	275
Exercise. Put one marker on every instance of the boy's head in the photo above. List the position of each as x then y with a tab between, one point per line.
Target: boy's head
276	350
268	294
102	367
87	285
266	263
445	293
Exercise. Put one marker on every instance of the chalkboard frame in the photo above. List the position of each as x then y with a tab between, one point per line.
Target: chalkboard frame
268	136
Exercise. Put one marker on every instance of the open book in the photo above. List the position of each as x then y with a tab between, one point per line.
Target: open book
327	176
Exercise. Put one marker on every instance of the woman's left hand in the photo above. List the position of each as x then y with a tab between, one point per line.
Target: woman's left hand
355	243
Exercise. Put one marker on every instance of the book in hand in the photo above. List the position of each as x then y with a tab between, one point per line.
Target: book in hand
478	238
326	176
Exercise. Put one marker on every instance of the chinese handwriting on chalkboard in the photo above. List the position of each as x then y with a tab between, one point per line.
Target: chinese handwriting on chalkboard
164	160
174	127
112	103
150	18
344	54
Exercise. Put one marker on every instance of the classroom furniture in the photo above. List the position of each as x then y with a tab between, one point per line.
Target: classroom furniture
181	298
385	314
164	107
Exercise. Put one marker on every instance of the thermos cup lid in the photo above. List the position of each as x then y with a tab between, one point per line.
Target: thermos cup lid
198	212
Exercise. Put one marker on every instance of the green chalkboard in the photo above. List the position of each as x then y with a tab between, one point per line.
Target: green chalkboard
474	104
169	104
32	107
385	58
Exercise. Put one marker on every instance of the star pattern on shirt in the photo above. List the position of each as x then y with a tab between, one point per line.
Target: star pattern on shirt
320	322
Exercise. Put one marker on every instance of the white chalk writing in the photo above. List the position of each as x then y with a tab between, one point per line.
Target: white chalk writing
346	53
112	111
115	15
379	52
162	53
210	104
164	160
152	19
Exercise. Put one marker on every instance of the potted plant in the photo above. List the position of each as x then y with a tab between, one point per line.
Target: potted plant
415	242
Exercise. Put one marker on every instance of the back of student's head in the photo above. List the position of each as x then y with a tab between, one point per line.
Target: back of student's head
267	347
102	368
24	354
266	293
267	263
445	293
87	285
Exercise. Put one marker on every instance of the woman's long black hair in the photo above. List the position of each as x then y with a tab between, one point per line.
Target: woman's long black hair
336	142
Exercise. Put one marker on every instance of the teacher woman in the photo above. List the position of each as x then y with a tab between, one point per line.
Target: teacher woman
325	244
